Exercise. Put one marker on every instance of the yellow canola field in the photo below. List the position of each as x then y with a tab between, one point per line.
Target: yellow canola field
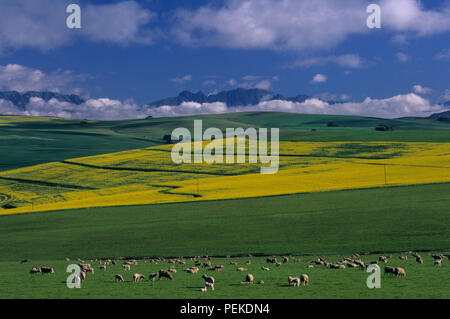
148	176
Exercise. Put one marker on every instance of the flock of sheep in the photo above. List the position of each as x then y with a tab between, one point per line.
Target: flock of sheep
206	264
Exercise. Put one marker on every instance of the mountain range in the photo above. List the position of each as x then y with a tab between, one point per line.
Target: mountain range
236	97
21	99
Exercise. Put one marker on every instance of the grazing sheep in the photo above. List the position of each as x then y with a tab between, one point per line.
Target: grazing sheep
260	282
102	267
400	272
419	260
403	257
265	268
310	266
304	279
438	262
272	260
248	279
356	256
47	270
241	269
173	270
389	270
352	265
118	278
294	281
126	267
360	263
152	277
285	260
204	289
233	263
85	267
335	266
436	257
383	259
278	264
35	270
165	274
138	277
209	281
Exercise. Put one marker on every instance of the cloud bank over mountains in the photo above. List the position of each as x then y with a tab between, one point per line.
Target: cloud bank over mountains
107	109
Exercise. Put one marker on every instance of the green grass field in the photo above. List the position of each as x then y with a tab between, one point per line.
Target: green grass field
391	220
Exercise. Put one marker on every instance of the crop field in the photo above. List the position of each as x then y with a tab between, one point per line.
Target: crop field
148	176
103	190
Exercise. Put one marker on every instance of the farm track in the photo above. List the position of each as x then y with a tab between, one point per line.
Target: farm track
135	169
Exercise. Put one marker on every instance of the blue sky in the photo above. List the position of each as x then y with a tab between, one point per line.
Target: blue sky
147	50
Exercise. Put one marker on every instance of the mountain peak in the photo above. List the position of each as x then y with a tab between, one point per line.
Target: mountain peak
22	99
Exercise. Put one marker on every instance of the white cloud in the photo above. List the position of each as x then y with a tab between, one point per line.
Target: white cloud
410	16
182	80
446	96
319	78
421	90
394	107
273	24
402	57
15	77
42	23
99	109
301	25
346	60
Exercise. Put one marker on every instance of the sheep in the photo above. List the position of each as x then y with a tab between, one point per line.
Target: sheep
118	278
310	266
438	262
165	274
209	285
400	272
278	264
352	265
204	289
285	260
360	263
173	270
233	263
85	267
261	282
35	270
383	259
126	267
294	281
208	279
241	269
304	279
47	270
389	270
265	268
138	277
102	267
436	257
152	277
419	260
335	266
403	257
272	260
248	279
192	270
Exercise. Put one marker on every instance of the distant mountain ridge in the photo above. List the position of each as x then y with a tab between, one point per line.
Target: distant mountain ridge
236	97
22	99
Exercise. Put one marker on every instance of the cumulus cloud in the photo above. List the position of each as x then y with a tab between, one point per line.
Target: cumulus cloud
95	109
419	89
42	23
181	80
346	60
15	77
393	107
301	25
319	78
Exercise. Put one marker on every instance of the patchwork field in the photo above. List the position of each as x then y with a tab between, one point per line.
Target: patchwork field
92	190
